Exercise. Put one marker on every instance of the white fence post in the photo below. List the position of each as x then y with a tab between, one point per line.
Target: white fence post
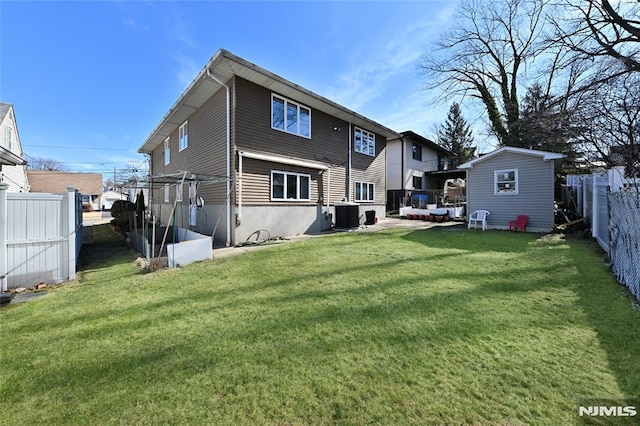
3	236
71	222
594	206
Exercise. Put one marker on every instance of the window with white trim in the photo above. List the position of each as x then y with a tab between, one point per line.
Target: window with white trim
505	182
167	151
288	186
364	142
166	192
364	191
179	192
290	117
183	136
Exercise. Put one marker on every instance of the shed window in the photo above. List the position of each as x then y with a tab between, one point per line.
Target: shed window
505	182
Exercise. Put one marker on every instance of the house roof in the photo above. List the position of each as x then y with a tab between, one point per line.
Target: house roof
544	155
223	66
427	142
4	110
57	182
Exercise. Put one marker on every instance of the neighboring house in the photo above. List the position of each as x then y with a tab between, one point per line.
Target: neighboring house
416	164
55	182
109	197
12	164
513	181
244	150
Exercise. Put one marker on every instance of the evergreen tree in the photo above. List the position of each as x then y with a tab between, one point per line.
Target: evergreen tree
456	136
543	125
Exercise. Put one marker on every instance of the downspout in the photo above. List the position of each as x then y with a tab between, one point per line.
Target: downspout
328	186
240	156
349	171
228	200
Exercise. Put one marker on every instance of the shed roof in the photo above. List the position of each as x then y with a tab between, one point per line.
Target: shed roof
223	66
57	182
544	155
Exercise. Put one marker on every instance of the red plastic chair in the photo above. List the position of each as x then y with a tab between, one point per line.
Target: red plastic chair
520	224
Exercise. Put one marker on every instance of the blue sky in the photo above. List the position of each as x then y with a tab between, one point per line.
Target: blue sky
89	81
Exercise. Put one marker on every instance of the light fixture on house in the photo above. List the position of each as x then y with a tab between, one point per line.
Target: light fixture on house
336	128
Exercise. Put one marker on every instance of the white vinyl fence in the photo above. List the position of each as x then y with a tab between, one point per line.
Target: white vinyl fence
40	237
614	219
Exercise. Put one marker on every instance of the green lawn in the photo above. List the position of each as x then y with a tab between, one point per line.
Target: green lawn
402	326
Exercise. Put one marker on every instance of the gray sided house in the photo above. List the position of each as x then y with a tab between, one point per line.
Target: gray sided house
513	181
244	150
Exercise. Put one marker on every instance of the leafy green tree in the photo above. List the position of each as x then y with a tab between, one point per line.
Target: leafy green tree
456	136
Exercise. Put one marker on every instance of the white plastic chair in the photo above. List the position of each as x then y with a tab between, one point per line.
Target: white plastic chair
479	216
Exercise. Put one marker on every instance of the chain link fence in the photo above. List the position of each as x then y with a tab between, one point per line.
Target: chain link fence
624	247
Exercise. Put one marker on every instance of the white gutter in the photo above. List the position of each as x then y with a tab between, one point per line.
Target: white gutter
228	200
284	160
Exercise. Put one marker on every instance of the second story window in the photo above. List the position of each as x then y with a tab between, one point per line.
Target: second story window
290	117
167	151
183	136
417	152
364	142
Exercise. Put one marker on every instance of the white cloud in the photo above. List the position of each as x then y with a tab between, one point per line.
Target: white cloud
135	25
376	66
186	70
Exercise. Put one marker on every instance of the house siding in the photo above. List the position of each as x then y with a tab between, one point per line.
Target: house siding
254	134
251	207
366	168
14	176
394	164
414	167
205	153
535	191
